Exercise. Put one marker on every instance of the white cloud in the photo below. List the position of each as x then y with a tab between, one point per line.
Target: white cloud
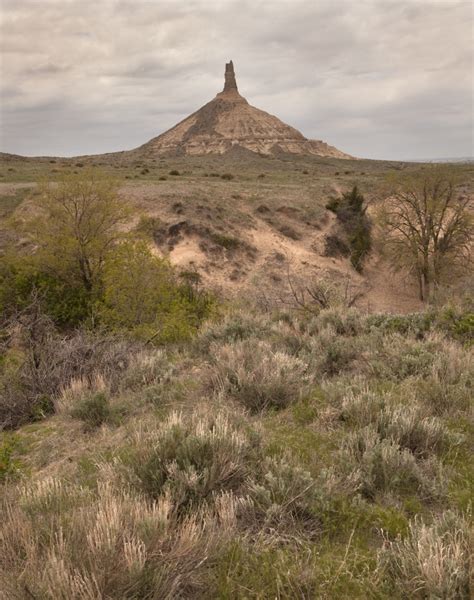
377	78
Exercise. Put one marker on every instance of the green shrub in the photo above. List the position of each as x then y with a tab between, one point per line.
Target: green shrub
351	213
233	327
142	294
227	176
66	303
174	172
10	466
94	410
190	459
383	466
458	324
416	324
226	241
285	493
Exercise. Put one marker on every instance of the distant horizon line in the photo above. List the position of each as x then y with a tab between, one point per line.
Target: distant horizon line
454	159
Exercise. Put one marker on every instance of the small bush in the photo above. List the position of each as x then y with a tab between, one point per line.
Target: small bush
345	322
285	493
10	466
189	460
432	561
233	327
256	376
289	232
417	324
383	466
94	410
335	246
396	357
405	425
331	354
409	428
174	172
226	241
448	387
33	378
227	176
351	212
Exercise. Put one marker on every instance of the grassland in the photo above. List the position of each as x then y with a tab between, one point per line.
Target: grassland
275	456
278	452
273	210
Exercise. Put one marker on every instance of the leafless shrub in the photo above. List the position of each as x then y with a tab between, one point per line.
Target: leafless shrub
314	296
43	363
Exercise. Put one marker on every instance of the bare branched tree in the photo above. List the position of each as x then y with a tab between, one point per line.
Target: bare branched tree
427	227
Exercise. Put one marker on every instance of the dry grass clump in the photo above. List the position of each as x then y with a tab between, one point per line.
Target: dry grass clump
91	402
432	561
361	408
191	459
110	544
382	466
258	377
146	368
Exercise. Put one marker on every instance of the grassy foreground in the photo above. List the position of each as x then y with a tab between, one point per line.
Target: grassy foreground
274	455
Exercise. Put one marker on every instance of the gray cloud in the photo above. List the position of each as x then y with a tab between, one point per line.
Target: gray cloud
376	78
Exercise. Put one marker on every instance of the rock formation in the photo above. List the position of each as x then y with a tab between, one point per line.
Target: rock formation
228	122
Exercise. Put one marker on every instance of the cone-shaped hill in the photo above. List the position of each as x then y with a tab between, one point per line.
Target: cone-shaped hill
229	122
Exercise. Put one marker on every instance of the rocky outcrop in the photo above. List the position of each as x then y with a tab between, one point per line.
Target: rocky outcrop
230	83
229	121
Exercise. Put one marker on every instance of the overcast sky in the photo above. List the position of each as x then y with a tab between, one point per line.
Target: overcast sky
375	78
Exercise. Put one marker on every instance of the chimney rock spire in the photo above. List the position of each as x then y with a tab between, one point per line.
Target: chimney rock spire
230	83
